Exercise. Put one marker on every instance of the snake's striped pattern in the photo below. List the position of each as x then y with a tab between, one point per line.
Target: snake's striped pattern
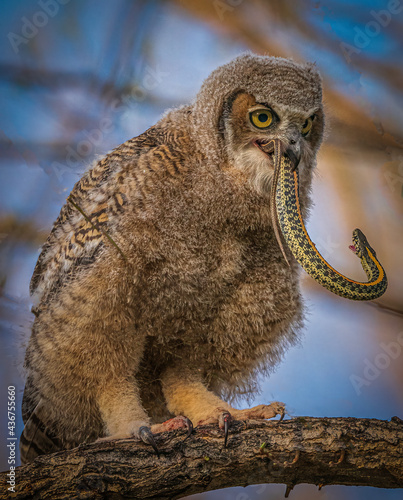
288	214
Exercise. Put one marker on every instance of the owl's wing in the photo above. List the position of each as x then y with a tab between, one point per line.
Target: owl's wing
76	240
35	438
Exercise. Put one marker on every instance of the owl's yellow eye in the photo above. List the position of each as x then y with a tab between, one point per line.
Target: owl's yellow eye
306	127
261	118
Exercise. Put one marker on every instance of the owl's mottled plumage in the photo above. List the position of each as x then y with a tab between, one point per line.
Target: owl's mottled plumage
202	298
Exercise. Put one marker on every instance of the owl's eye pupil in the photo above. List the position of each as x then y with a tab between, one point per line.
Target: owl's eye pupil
305	124
262	117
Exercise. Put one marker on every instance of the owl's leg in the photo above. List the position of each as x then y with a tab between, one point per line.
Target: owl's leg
187	395
117	399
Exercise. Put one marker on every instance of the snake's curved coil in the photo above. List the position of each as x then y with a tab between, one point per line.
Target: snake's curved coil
287	218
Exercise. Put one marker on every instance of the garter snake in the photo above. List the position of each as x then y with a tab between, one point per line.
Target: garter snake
287	218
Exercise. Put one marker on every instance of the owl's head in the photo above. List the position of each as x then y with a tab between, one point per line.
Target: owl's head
253	99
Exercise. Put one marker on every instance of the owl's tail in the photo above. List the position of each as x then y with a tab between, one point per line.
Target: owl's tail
36	439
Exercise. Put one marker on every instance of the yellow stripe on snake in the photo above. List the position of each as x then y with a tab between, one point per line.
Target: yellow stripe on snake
286	215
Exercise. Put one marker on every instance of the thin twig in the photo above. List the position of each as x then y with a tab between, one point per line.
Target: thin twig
96	227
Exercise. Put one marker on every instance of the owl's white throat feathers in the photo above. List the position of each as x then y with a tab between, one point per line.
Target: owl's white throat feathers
257	165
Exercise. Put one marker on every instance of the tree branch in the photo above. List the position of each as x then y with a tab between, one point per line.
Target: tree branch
321	451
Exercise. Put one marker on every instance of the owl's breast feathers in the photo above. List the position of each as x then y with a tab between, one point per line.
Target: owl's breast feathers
126	176
160	200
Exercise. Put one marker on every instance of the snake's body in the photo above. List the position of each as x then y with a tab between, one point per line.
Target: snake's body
286	212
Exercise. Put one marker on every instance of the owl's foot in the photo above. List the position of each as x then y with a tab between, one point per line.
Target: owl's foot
178	422
260	412
224	417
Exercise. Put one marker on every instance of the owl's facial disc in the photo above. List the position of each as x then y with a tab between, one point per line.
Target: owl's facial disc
250	124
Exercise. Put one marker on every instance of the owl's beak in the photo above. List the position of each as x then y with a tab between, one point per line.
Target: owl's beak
294	156
292	151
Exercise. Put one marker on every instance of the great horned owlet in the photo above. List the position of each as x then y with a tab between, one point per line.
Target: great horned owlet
161	290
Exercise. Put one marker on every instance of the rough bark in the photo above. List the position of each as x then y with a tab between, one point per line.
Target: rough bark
321	451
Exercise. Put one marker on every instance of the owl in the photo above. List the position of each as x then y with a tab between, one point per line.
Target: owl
161	292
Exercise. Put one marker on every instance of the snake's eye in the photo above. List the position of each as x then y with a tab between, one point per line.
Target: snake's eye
261	118
306	127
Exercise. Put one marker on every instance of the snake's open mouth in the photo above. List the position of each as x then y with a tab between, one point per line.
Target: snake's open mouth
353	249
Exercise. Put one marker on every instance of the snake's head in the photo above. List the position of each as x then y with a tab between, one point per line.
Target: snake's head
360	245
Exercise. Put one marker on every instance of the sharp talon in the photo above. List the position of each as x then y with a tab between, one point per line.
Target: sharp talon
189	426
148	438
282	414
288	491
341	459
226	426
227	420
